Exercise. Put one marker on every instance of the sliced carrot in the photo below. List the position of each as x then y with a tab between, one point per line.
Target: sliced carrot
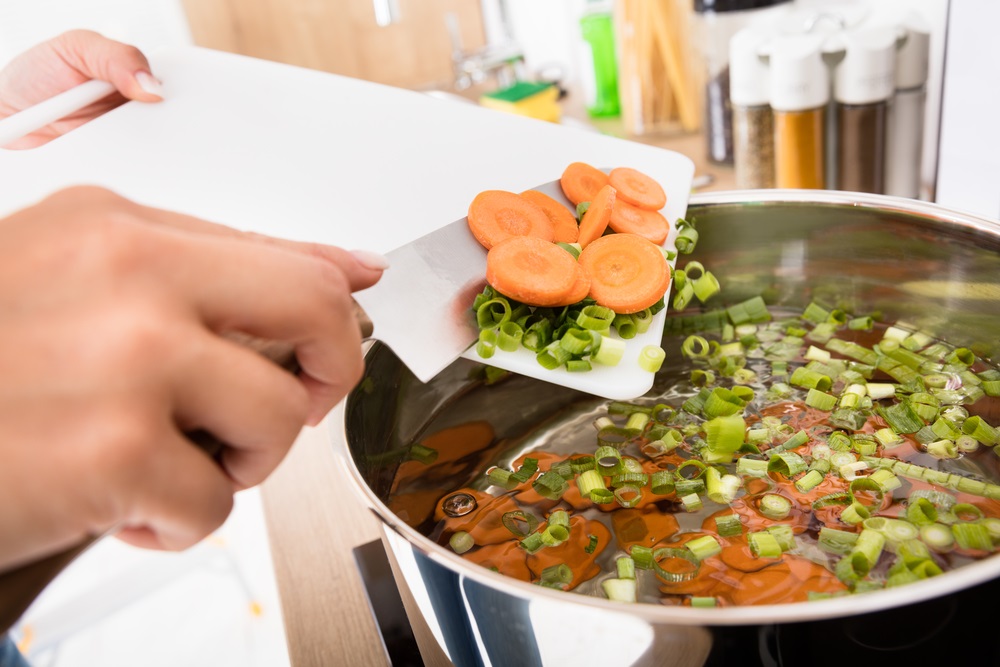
628	219
638	189
495	215
580	289
530	270
564	227
597	217
580	182
627	272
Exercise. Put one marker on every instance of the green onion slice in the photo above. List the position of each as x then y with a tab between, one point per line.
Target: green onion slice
682	563
519	523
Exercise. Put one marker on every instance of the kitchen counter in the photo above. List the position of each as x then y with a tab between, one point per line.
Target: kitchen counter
315	519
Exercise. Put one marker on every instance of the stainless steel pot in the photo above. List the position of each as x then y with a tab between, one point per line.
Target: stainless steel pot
935	268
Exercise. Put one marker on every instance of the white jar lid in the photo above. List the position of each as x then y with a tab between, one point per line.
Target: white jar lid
799	78
867	72
748	72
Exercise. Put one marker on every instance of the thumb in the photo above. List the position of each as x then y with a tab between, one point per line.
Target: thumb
362	268
121	65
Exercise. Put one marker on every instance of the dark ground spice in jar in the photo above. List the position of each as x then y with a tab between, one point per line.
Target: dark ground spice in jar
753	146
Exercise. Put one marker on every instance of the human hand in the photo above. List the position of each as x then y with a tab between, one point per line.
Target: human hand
113	323
67	61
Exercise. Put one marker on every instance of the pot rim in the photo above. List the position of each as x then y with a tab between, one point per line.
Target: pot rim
926	589
845	198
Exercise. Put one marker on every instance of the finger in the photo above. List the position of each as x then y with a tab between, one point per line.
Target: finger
271	293
362	268
248	403
185	496
122	65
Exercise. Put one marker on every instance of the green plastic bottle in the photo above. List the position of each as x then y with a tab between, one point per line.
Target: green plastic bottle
599	71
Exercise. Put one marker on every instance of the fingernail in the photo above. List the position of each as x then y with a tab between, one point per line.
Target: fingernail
149	83
371	260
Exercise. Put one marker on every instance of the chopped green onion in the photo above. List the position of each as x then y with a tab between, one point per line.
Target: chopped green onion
972	536
704	547
550	485
609	460
724	434
820	400
509	336
527	470
556	576
620	590
774	506
591	545
706	286
981	431
602	496
692	502
703	602
487	343
866	550
901	417
937	536
609	352
461	541
519	523
808	379
751	467
721	403
651	358
788	464
554	535
764	545
668	554
582	464
784	534
423	454
590	481
837	541
502	478
662	482
729	525
809	481
628	495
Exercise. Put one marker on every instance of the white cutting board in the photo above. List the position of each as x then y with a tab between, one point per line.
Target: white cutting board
313	156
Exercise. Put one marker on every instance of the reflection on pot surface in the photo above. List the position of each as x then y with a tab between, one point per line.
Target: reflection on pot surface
787	457
782	473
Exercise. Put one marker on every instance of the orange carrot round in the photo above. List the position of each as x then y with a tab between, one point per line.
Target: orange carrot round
597	217
627	272
628	219
638	189
564	227
530	270
580	289
495	215
580	182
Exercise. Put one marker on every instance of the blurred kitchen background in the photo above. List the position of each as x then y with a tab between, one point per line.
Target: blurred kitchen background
886	96
655	71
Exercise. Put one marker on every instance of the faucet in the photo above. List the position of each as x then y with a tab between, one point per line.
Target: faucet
503	60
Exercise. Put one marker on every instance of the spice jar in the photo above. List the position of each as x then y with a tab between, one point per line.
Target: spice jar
753	120
799	87
863	84
905	139
715	23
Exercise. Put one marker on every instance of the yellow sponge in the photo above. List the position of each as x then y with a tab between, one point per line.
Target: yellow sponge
537	100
